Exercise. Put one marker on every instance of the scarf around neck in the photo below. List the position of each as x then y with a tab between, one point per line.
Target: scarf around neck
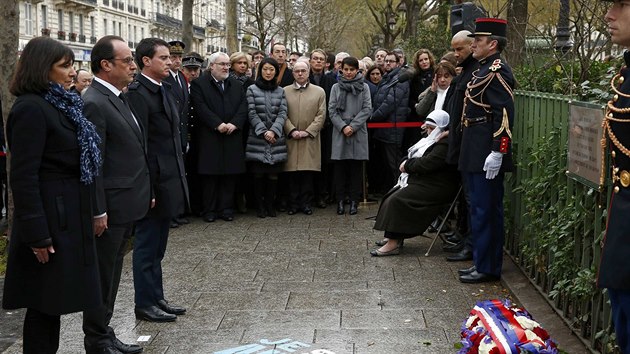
354	86
71	105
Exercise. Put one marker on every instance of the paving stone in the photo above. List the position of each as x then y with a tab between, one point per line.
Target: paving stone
308	287
366	337
381	319
269	300
334	300
281	320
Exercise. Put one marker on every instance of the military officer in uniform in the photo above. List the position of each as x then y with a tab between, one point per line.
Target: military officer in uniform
614	270
486	124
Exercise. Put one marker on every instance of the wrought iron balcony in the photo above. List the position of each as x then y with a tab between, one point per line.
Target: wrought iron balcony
77	4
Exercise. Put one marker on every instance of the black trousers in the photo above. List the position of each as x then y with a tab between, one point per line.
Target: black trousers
300	189
41	332
390	158
149	247
110	251
218	193
348	175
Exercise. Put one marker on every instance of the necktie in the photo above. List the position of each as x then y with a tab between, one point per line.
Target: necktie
221	86
177	79
124	100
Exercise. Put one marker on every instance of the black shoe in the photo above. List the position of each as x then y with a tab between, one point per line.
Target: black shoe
172	309
227	217
466	270
354	208
307	211
340	210
452	237
475	277
454	248
153	314
381	243
464	255
377	253
103	350
210	217
261	213
181	221
126	348
271	212
292	211
321	203
174	224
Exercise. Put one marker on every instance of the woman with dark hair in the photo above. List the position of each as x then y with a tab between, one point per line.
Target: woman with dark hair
266	149
55	157
350	107
373	76
424	65
433	97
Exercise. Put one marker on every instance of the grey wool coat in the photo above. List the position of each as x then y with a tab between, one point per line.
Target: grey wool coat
267	110
358	109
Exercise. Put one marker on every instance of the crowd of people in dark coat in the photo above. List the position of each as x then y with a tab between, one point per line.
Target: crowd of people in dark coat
153	139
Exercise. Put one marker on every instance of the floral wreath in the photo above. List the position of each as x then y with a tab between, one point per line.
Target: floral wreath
496	327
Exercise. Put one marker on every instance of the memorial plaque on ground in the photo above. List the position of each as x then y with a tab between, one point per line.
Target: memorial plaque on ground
584	160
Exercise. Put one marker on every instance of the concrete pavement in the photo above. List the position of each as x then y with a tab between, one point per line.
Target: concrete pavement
299	284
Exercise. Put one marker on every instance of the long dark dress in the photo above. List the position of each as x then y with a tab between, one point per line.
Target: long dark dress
432	184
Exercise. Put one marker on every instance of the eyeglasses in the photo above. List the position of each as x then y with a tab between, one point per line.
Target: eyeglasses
127	60
390	61
302	71
227	65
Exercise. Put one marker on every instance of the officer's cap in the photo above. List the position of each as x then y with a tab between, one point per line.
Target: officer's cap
192	59
489	27
176	47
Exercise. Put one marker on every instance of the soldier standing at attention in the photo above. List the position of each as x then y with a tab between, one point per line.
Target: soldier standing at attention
486	148
614	270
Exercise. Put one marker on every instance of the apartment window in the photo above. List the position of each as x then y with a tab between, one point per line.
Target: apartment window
71	20
60	19
120	29
44	16
135	33
141	33
104	27
81	31
28	18
92	31
129	33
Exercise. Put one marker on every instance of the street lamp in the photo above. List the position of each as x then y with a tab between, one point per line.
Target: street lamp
391	21
563	35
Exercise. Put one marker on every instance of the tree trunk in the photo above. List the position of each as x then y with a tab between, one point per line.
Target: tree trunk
8	46
517	26
230	26
187	22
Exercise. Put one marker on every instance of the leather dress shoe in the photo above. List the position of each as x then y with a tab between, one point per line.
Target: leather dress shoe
340	209
103	350
466	270
211	217
227	217
172	309
354	208
153	314
475	277
174	224
307	210
377	253
454	248
292	211
464	255
126	348
452	236
181	221
321	203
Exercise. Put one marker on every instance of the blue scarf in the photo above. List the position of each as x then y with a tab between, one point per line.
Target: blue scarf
71	105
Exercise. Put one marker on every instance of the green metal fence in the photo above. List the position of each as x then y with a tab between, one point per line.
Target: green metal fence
542	200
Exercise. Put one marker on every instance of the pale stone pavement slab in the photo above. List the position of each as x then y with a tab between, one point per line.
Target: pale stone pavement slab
299	284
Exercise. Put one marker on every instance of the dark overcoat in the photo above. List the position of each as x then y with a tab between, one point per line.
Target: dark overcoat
160	120
51	204
179	94
614	268
432	184
219	154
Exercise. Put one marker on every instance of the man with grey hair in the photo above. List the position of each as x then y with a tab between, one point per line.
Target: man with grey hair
460	44
220	108
338	59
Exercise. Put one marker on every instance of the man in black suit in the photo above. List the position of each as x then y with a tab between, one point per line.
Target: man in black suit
179	94
220	109
159	116
123	192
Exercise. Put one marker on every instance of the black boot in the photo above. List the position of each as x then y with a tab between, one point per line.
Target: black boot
354	207
340	210
259	187
270	196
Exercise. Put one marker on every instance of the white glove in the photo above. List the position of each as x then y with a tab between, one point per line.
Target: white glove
493	164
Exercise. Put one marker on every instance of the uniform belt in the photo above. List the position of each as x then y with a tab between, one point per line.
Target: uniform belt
473	121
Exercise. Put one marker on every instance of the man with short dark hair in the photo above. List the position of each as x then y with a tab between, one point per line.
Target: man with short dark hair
279	53
158	114
486	150
82	81
293	57
123	193
379	57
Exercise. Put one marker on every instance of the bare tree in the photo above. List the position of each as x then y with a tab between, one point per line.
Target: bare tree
187	23
230	26
328	21
8	56
517	27
263	13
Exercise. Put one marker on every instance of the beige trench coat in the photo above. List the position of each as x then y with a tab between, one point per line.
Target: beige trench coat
306	111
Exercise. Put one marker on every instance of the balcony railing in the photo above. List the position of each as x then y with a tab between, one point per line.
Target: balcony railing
61	35
79	4
92	40
46	32
81	38
106	2
72	36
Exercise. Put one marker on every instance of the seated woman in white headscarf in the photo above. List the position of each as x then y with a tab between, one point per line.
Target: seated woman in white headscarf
425	185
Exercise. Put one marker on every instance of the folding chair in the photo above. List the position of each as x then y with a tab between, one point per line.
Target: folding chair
439	230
